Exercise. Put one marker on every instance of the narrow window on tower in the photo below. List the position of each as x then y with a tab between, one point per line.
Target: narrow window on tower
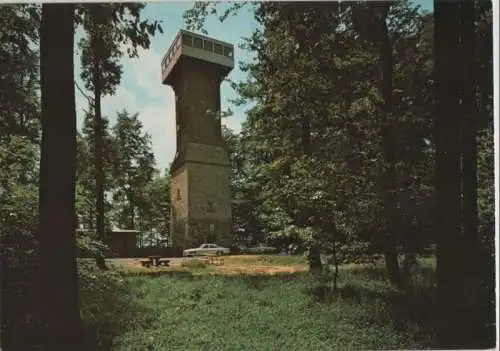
187	40
210	207
218	49
208	45
198	43
228	51
178	194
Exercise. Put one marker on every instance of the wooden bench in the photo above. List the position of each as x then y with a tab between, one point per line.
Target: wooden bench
163	262
215	260
145	263
154	262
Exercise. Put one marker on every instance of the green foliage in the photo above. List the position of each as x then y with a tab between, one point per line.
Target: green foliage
330	74
195	17
19	77
86	171
155	209
133	168
19	156
138	196
113	30
342	113
304	169
106	305
18	247
130	176
89	247
109	28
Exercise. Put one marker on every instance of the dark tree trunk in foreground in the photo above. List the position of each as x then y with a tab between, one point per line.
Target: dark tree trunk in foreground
472	267
388	145
448	73
98	152
370	23
470	123
59	308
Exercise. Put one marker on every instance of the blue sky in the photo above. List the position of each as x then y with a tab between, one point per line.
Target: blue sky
141	89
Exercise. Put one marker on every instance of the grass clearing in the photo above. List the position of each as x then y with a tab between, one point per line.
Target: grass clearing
185	308
268	260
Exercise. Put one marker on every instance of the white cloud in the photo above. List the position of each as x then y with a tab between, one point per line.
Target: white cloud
123	98
233	122
141	91
159	122
147	74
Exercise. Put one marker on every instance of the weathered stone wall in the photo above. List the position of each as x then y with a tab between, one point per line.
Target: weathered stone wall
200	171
199	91
203	212
179	209
203	153
210	202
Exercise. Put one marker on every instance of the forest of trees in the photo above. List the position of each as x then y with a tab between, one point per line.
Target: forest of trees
138	194
55	179
371	133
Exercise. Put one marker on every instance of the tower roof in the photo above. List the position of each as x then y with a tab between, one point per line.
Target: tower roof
200	47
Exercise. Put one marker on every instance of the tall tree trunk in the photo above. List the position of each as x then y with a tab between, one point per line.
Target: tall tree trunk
98	150
370	22
470	123
59	308
471	270
447	73
314	256
388	177
131	216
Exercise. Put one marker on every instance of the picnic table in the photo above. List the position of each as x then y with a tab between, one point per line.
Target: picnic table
215	260
154	260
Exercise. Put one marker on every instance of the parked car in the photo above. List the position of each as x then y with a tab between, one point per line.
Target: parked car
237	249
261	248
206	249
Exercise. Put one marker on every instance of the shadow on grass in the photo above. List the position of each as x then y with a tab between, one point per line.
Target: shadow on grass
261	281
108	307
410	309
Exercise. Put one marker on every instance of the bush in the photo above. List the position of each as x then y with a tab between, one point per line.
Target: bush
88	247
19	264
105	304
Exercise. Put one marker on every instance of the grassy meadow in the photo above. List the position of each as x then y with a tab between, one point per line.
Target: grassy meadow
203	308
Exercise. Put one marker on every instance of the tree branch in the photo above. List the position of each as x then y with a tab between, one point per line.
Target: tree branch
89	99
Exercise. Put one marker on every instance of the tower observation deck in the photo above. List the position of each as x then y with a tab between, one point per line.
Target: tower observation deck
194	66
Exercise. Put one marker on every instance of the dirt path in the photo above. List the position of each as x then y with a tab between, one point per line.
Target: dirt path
233	269
233	265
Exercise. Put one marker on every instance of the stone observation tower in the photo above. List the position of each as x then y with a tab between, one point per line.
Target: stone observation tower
194	66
